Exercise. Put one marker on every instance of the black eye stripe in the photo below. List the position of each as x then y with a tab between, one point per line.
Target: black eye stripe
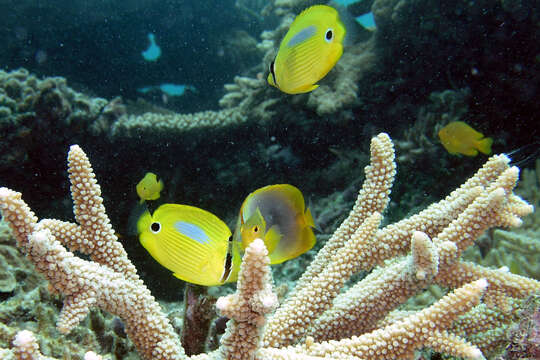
227	266
273	72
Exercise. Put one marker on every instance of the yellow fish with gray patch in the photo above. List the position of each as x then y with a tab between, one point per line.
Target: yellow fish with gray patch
277	215
459	138
309	50
149	187
191	242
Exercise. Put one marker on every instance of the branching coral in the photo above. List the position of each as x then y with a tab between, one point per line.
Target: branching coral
317	319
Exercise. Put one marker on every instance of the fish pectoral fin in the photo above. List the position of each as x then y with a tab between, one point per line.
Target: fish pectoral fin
272	238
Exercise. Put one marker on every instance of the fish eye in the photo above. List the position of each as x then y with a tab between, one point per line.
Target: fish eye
329	36
255	228
155	227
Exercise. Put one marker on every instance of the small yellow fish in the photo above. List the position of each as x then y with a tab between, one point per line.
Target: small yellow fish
459	138
276	214
191	242
149	187
309	50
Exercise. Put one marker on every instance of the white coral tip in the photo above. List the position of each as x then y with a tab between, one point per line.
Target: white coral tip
258	246
24	338
4	192
92	356
475	354
40	241
269	301
482	283
222	303
419	235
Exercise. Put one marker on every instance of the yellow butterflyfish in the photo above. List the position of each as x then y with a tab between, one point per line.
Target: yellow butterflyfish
459	138
276	214
149	187
199	248
309	50
191	242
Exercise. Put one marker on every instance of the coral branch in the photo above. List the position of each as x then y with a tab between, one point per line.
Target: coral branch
317	320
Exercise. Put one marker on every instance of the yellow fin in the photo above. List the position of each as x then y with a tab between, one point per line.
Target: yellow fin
309	218
306	240
484	145
305	89
272	238
470	151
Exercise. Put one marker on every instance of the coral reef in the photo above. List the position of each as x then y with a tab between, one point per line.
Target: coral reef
32	109
315	320
518	249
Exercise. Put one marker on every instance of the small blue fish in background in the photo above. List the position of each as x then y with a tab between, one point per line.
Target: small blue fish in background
168	89
367	21
153	52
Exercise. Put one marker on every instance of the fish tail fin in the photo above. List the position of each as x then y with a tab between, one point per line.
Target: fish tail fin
484	145
160	184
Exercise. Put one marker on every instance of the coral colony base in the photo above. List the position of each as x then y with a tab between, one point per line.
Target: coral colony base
318	319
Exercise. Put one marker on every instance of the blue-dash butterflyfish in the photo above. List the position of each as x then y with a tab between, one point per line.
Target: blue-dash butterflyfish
309	50
276	214
459	138
149	187
192	243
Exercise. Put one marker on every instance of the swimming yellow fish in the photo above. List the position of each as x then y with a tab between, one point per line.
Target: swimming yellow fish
309	50
191	242
149	187
459	138
276	214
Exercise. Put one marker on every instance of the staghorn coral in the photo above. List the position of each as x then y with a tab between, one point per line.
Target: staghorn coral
517	249
304	326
